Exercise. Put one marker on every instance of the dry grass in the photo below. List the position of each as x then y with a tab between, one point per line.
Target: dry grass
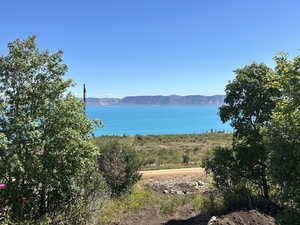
173	151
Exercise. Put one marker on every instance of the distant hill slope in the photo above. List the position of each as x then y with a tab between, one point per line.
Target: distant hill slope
197	100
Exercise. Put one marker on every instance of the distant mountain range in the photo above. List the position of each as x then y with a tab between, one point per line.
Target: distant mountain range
176	100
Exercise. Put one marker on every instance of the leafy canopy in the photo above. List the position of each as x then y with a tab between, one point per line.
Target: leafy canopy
283	134
249	104
45	135
249	101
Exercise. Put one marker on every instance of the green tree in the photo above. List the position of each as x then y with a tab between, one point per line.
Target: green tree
45	135
249	102
120	164
283	134
248	106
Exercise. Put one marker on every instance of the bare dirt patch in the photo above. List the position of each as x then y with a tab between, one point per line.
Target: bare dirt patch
176	181
172	172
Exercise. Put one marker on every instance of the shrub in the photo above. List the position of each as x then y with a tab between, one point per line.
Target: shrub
238	198
137	199
116	209
45	134
169	206
186	159
208	203
119	164
289	216
283	134
198	202
220	162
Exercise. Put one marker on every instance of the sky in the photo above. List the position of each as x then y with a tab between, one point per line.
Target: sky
154	47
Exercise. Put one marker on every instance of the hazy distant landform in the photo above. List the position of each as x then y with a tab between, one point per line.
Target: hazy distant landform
175	100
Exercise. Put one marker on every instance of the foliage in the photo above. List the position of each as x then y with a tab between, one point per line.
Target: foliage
186	159
289	216
283	134
208	203
220	162
128	204
198	202
249	101
242	197
169	206
45	148
249	106
120	164
263	107
137	199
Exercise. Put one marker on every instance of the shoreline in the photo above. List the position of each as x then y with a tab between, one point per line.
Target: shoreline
181	134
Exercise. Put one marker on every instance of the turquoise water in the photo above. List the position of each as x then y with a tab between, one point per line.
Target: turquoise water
132	120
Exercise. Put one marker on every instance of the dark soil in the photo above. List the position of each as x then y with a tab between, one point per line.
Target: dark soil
252	217
236	218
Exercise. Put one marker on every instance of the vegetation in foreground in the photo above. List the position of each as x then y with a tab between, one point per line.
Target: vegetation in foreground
142	205
262	168
47	157
52	171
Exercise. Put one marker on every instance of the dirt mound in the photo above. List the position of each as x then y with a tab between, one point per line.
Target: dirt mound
252	217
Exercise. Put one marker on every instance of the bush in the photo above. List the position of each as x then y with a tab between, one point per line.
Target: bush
137	199
186	159
169	206
289	216
283	135
45	137
209	203
221	163
119	208
239	198
198	202
119	163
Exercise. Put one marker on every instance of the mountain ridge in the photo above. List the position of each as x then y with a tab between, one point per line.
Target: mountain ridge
159	100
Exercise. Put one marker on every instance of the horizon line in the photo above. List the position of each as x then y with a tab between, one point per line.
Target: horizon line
161	96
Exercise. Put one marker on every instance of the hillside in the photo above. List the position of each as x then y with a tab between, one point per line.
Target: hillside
175	100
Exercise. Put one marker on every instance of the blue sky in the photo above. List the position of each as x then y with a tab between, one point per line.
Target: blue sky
151	47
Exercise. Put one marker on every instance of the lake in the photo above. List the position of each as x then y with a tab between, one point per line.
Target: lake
132	120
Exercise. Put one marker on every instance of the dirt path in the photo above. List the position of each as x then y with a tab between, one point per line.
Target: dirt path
173	172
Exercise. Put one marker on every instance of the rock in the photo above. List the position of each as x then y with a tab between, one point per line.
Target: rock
212	220
201	183
185	184
179	193
172	191
165	191
195	184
